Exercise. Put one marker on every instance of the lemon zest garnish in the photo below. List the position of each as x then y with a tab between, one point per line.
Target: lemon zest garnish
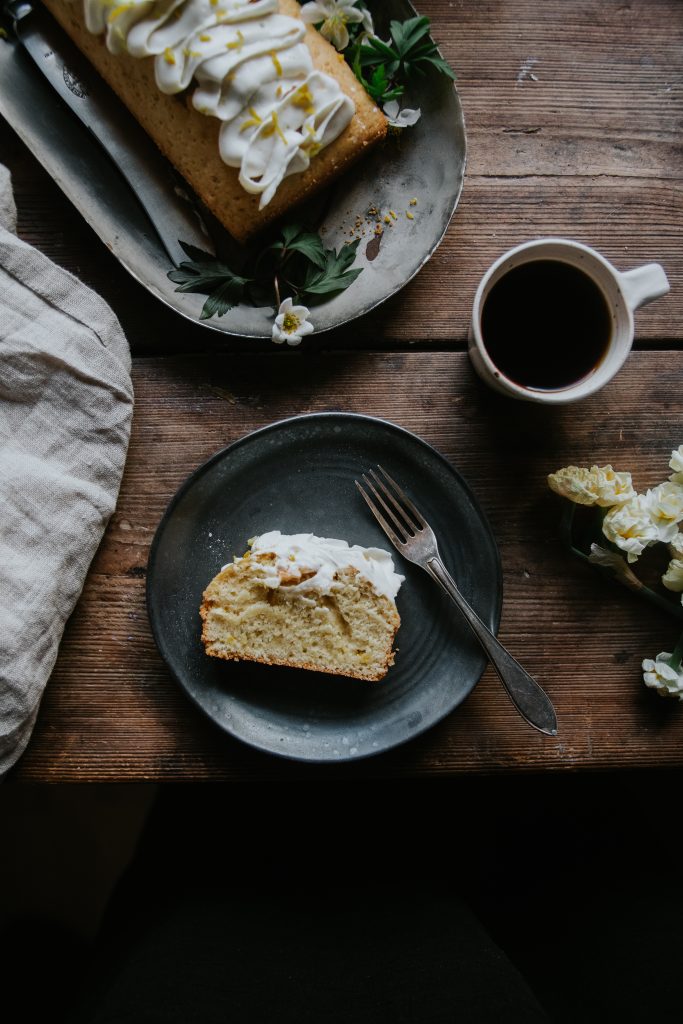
204	38
169	55
253	120
276	62
274	126
409	215
118	11
238	44
413	202
303	98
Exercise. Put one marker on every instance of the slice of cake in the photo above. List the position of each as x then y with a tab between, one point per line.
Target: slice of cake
253	107
306	602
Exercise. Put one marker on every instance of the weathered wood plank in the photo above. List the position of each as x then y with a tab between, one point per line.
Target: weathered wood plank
111	710
574	115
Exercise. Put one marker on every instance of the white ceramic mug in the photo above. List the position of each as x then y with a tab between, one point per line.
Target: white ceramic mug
623	292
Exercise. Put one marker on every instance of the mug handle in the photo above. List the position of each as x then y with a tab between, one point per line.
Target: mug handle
643	284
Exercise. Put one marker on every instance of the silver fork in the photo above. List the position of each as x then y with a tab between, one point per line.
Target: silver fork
413	537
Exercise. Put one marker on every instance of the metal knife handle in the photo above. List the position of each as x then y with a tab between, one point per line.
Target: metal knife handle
529	698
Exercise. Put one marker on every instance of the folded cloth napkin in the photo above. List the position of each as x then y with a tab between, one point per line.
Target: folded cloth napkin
66	402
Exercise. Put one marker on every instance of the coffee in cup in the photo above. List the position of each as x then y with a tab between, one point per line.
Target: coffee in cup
553	320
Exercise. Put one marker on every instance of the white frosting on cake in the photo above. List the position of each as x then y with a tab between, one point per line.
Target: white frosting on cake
249	67
302	553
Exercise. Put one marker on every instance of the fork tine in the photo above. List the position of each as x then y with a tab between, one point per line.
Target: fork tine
380	518
400	526
412	527
404	497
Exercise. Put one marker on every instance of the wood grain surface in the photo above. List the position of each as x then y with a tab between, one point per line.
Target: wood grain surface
574	111
111	709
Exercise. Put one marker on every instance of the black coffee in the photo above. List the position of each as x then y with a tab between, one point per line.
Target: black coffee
546	325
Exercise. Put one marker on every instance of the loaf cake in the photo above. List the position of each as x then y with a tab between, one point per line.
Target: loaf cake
253	107
306	602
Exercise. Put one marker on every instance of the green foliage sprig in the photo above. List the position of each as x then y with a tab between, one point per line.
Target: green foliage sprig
385	69
295	264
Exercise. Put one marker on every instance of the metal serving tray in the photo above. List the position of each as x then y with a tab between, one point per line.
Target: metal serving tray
426	161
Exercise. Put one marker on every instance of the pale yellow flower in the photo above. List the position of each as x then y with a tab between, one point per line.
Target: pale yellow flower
673	577
666	508
631	527
599	485
676	463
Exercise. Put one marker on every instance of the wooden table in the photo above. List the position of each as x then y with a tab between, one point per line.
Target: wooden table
574	110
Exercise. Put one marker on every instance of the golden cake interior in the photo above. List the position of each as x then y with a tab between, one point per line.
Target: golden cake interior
349	632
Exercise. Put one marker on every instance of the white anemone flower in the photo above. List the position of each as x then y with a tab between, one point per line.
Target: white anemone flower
676	463
660	676
291	323
368	27
631	527
666	509
599	485
401	118
334	15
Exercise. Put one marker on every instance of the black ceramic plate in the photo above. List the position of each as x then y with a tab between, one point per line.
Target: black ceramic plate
297	476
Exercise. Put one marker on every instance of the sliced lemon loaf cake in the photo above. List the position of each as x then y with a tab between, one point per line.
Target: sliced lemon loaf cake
306	602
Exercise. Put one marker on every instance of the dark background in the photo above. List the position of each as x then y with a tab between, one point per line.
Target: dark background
575	876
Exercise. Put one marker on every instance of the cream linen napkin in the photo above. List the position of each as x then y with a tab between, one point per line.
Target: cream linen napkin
66	403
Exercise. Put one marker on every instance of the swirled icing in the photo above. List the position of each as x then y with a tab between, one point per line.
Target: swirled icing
248	66
315	561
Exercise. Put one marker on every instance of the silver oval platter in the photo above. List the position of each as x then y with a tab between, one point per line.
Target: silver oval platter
424	162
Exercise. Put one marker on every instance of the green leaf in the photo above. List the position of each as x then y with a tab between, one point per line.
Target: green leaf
335	283
384	69
222	300
290	232
335	276
309	245
441	65
195	254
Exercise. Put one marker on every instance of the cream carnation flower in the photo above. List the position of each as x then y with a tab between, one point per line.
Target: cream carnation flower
676	545
660	676
599	485
333	16
631	527
673	577
666	508
676	463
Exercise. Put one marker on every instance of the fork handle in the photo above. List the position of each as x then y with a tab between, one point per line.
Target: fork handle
529	698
